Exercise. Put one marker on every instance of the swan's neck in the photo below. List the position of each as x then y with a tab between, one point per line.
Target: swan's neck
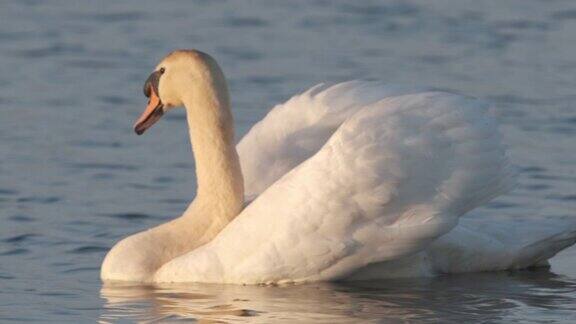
220	183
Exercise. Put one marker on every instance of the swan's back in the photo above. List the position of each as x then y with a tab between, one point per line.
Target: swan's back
351	175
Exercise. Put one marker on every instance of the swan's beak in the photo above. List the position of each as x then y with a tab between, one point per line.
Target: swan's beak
151	114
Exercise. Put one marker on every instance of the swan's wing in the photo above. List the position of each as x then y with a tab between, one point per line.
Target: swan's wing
500	244
482	242
391	179
293	131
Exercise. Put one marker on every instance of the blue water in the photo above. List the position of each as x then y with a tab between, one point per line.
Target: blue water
74	178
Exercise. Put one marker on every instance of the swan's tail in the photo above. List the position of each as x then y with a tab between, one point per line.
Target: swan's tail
538	253
504	244
478	247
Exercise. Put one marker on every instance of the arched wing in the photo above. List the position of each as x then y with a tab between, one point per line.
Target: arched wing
295	130
395	175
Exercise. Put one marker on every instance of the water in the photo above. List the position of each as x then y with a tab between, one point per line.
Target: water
74	178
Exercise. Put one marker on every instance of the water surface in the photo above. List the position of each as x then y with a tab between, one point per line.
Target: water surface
74	179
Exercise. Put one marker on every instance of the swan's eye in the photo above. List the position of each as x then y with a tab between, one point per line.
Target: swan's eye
152	82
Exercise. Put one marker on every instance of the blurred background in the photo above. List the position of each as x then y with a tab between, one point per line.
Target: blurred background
74	178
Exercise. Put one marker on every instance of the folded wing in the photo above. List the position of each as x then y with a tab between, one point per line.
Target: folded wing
365	181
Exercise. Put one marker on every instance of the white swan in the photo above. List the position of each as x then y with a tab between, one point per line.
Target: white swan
357	180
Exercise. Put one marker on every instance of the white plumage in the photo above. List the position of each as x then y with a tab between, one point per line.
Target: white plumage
361	173
358	180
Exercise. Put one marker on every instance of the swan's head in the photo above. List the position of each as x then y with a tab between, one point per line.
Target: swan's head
174	78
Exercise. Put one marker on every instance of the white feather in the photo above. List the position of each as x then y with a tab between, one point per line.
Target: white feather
361	174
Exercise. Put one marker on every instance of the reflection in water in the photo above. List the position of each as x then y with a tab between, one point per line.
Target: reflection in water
486	297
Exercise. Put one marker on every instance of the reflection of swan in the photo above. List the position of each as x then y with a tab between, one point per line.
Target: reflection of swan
299	303
354	179
461	298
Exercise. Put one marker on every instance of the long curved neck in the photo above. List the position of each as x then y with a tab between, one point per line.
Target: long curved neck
211	126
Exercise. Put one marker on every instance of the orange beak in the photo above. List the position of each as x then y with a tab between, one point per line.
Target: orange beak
151	114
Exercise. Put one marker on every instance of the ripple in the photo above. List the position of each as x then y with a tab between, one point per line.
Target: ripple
228	310
103	175
17	251
435	59
90	64
8	192
532	169
246	22
117	16
22	218
524	24
500	205
51	50
7	36
240	53
19	238
37	199
182	165
104	166
564	14
537	187
114	100
104	235
88	249
264	79
57	294
396	9
174	201
130	216
552	177
512	99
82	269
94	143
61	102
563	197
144	186
562	130
164	179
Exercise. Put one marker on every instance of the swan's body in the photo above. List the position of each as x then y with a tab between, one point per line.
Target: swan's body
356	180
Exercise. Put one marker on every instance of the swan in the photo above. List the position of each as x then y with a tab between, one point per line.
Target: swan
356	180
